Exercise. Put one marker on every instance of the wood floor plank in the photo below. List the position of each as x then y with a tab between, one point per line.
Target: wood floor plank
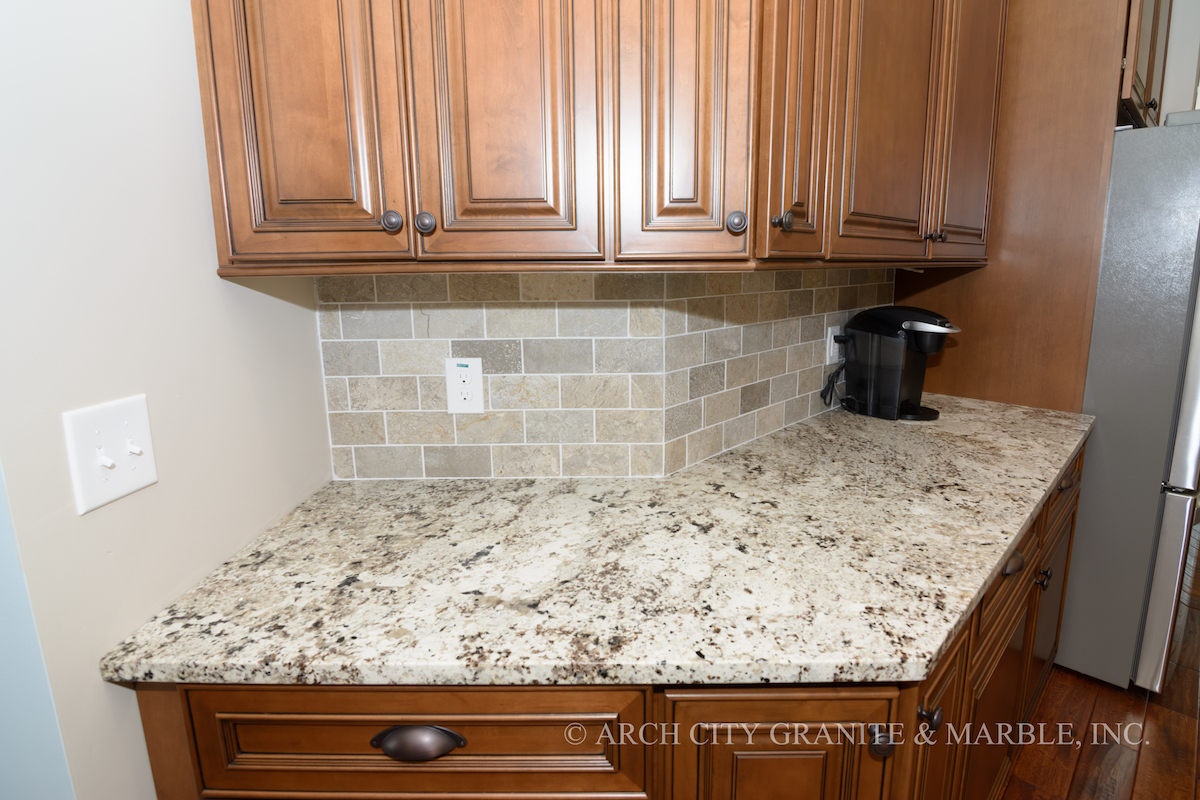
1115	710
1023	790
1104	772
1181	687
1167	761
1068	698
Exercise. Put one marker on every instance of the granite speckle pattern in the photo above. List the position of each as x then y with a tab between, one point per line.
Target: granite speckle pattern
842	548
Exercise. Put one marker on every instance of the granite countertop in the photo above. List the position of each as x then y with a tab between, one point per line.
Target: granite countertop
842	548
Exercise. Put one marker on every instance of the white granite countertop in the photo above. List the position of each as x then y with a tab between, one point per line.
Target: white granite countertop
843	548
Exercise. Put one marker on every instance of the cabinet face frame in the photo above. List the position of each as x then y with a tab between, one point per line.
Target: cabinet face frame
268	204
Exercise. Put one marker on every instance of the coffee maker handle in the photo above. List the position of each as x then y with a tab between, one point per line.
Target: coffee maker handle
926	327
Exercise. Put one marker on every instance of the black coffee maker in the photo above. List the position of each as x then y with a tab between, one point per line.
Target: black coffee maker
885	351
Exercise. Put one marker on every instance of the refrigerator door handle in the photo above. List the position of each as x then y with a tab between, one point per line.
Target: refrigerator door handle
1165	581
1184	469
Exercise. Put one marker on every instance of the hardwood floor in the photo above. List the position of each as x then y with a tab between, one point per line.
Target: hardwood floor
1124	744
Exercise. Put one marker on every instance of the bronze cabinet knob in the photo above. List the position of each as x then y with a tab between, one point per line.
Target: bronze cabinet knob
785	222
392	221
736	222
425	223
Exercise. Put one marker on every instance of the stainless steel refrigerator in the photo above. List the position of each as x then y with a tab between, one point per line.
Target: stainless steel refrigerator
1142	469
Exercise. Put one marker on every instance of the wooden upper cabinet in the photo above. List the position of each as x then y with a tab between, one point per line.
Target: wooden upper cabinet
1145	62
968	109
883	128
684	127
793	129
305	156
506	121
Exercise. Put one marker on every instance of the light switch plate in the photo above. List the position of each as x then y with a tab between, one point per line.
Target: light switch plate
464	385
109	451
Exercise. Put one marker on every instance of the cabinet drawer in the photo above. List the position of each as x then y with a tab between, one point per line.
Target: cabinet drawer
309	739
1064	496
1004	587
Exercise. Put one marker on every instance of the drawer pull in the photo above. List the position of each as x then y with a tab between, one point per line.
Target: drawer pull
1044	578
932	718
880	741
1066	483
1014	565
417	742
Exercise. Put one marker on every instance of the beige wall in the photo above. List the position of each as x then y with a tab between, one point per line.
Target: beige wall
108	288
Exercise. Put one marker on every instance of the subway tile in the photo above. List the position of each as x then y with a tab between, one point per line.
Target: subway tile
377	321
595	391
645	459
595	459
706	380
686	284
644	425
741	371
558	356
786	280
388	462
755	396
858	276
768	419
866	296
500	356
837	277
784	387
837	318
674	317
455	321
523	391
771	363
753	282
343	463
646	391
485	286
812	329
675	388
629	355
683	351
414	357
593	319
738	431
885	294
420	427
795	410
458	462
800	304
847	298
352	428
683	419
557	287
526	461
412	288
722	344
674	455
346	289
336	396
890	275
741	309
329	322
705	313
350	358
810	380
801	356
624	286
520	320
785	332
825	300
756	338
704	444
723	283
646	318
556	426
433	392
491	427
815	278
773	306
721	407
383	394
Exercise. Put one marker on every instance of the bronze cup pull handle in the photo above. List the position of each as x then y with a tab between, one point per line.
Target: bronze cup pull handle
417	742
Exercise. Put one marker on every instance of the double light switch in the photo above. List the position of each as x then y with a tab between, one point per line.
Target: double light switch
109	451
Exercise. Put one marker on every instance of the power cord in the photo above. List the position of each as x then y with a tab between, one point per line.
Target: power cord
830	388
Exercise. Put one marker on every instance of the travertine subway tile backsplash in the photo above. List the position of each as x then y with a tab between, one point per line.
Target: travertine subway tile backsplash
587	374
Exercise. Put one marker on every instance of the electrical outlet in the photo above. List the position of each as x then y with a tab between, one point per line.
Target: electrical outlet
109	451
833	350
464	385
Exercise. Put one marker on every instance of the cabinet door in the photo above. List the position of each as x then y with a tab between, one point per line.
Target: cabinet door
758	744
790	217
684	126
882	129
969	100
942	695
996	692
506	121
1052	577
305	155
1145	61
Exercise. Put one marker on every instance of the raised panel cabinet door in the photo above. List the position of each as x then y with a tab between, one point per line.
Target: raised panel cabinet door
793	129
940	710
506	120
1147	27
305	149
759	744
970	102
883	128
1051	584
685	112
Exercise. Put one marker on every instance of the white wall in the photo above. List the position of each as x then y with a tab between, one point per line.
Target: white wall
108	288
1183	58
